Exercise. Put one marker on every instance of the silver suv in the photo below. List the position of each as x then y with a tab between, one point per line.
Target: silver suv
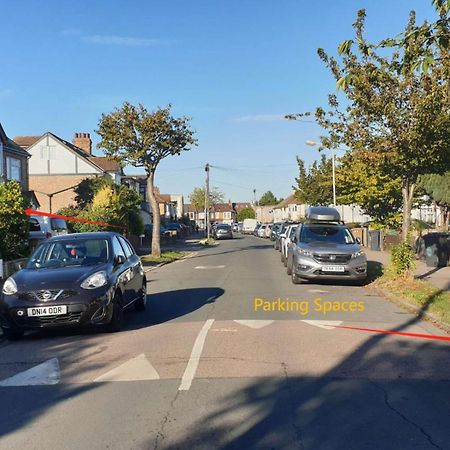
323	248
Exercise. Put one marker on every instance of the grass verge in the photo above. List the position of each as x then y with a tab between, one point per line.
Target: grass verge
419	294
166	257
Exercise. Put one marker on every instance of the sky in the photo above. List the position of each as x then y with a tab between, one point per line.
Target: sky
235	67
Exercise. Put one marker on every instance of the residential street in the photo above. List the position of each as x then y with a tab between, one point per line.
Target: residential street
201	369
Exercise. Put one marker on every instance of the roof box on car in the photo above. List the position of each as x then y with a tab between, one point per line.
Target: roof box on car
323	213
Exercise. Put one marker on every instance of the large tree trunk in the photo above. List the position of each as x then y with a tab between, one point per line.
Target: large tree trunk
408	194
156	246
445	216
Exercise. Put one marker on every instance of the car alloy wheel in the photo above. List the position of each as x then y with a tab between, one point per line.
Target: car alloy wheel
295	279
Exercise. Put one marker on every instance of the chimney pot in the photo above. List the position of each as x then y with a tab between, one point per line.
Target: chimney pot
83	141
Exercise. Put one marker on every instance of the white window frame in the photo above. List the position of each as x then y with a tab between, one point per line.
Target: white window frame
9	175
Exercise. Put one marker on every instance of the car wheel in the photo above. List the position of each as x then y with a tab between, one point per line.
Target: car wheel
12	334
117	316
282	257
285	261
141	303
289	268
295	279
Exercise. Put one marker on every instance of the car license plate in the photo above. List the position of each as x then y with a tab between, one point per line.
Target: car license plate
333	269
47	311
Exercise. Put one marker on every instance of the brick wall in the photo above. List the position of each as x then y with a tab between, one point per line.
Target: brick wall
54	183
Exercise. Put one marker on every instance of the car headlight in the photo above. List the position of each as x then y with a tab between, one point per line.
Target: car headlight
304	252
10	287
357	254
95	280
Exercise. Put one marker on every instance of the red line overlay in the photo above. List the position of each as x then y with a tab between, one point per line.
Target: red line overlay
32	212
400	333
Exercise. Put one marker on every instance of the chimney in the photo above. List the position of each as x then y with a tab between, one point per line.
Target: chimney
83	141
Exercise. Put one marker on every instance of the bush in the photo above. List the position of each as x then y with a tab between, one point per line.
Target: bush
402	259
14	223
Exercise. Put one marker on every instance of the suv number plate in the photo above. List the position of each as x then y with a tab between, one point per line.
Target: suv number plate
333	269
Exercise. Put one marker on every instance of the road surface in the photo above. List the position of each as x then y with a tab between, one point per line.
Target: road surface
202	369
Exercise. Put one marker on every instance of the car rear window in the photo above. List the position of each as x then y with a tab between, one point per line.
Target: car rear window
34	225
326	233
58	224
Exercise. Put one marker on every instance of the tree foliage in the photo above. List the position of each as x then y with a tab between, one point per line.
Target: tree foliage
134	136
315	183
438	188
14	223
87	188
394	119
245	213
198	195
268	199
378	194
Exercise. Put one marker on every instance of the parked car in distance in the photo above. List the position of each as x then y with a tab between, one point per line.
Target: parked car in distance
286	241
177	229
268	231
163	232
274	230
43	227
325	249
240	226
256	230
262	230
280	235
223	231
249	225
74	280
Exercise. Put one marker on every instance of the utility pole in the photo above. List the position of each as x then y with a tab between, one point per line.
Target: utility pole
254	197
207	201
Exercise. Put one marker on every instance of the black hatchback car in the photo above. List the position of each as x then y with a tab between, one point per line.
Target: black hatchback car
74	280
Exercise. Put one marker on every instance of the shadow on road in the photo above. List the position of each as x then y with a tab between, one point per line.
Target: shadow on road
165	306
388	393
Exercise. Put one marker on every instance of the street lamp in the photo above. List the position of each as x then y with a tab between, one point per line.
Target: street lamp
313	144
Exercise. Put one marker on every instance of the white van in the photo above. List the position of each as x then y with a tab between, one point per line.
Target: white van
249	226
43	227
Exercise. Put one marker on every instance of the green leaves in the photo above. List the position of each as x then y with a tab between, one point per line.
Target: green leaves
345	47
14	223
268	199
245	213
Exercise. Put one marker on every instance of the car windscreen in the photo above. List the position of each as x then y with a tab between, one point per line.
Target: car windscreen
326	233
69	253
223	227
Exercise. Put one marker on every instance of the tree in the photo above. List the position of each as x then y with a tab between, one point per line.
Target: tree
268	199
246	213
111	204
376	193
14	223
438	188
86	189
395	119
315	184
133	135
198	195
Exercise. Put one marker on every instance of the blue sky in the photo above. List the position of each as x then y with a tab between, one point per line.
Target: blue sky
234	66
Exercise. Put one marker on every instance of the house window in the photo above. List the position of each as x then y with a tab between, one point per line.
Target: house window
191	215
227	215
13	169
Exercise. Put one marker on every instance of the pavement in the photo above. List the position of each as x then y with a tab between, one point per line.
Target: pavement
439	277
202	369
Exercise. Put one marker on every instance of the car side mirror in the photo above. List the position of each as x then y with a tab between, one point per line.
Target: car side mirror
119	259
358	240
294	239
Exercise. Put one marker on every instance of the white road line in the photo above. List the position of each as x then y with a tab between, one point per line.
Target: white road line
325	324
254	323
196	353
42	374
209	267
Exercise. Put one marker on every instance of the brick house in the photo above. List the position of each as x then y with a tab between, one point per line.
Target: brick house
14	162
57	166
220	213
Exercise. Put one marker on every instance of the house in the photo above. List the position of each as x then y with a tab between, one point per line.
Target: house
223	213
57	166
264	214
14	163
288	209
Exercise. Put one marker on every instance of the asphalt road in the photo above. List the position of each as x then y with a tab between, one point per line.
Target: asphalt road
202	369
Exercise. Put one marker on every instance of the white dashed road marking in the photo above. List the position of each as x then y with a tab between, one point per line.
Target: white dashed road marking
209	267
254	323
325	324
42	374
194	359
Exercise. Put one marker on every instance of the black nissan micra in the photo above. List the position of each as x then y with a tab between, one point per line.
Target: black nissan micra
74	280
